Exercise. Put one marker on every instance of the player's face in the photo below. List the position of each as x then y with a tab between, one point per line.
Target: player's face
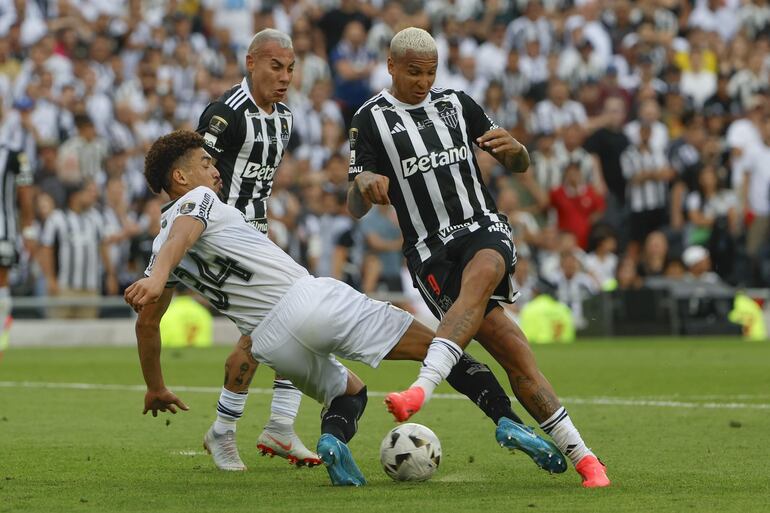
271	70
201	171
413	76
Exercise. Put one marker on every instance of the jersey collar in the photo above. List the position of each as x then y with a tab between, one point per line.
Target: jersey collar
398	103
245	87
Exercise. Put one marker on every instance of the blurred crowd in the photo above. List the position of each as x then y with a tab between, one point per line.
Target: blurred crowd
648	125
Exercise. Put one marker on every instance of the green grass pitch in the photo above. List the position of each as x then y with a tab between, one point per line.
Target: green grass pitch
683	425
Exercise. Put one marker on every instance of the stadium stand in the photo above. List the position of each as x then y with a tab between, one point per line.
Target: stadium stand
660	107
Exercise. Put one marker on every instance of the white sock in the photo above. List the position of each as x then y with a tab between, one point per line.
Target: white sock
566	435
285	405
442	355
5	311
229	410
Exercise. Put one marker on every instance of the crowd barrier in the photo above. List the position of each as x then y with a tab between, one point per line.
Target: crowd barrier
661	308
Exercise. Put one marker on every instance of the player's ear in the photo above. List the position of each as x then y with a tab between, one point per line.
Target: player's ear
178	175
391	64
250	62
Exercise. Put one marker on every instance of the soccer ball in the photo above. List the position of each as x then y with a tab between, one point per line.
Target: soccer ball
410	452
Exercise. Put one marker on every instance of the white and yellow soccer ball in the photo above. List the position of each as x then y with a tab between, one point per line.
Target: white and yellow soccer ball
410	452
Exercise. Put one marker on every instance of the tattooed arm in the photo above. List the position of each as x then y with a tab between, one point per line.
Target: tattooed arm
508	151
158	397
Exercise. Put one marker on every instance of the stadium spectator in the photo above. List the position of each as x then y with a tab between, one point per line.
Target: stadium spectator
558	111
383	241
578	206
654	255
352	63
73	253
574	286
754	184
602	262
647	175
698	263
82	156
309	68
607	144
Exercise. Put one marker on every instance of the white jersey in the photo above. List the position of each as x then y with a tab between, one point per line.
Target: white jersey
241	272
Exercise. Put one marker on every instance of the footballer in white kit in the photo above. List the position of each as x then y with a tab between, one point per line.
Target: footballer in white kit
296	322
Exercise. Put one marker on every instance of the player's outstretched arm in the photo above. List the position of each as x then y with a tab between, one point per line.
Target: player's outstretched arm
185	231
508	151
158	397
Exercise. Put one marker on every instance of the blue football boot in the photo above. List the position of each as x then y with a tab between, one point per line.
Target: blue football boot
543	452
339	462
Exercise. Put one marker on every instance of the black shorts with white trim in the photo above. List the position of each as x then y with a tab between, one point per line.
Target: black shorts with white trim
439	278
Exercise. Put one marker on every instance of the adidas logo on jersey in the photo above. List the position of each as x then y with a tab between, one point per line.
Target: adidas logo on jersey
260	138
398	129
433	160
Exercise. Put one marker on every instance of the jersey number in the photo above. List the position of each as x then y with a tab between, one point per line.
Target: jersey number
227	268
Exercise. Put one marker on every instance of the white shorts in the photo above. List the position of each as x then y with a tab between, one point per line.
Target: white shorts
317	319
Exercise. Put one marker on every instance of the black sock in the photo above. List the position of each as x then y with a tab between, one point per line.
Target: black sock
341	419
478	383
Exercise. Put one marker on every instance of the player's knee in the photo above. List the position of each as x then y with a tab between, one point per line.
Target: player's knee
483	274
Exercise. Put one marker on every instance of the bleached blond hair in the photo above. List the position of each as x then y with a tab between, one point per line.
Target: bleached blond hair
415	39
265	36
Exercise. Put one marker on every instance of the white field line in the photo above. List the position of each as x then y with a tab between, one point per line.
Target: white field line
602	401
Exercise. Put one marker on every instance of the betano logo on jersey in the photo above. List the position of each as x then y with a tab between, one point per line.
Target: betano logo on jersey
258	171
433	160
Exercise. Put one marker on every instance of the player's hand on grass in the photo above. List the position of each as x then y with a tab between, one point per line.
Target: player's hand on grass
373	187
143	292
162	400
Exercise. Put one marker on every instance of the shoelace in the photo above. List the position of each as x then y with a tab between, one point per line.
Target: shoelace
229	448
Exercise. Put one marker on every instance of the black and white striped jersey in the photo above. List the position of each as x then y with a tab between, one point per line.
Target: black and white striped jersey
426	150
14	171
76	239
650	194
248	145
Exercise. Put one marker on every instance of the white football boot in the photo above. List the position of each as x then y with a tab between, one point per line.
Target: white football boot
223	449
279	440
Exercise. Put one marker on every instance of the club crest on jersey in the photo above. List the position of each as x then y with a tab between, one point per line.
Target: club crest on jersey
448	113
353	136
187	207
285	135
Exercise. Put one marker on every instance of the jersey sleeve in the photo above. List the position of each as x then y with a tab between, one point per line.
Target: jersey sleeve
172	280
215	125
50	229
198	203
477	121
363	145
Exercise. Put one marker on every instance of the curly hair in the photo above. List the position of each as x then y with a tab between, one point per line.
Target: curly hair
164	155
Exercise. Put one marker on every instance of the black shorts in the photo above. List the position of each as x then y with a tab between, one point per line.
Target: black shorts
8	254
439	278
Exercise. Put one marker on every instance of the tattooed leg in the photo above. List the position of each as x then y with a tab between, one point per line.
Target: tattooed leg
480	278
242	360
507	344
